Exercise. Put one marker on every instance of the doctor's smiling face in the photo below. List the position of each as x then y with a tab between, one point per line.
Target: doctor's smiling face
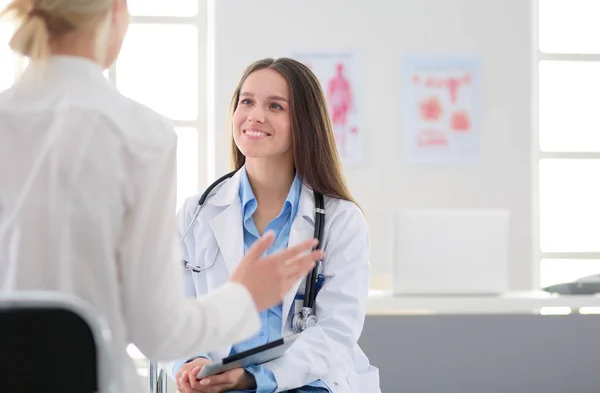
278	112
262	120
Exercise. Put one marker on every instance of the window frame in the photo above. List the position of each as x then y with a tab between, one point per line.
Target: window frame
199	124
538	155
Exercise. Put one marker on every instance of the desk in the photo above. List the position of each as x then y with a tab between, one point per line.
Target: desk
475	344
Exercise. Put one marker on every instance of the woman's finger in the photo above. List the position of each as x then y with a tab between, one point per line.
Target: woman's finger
298	265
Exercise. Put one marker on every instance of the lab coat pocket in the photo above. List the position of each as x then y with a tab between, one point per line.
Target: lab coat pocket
365	382
215	273
199	283
341	383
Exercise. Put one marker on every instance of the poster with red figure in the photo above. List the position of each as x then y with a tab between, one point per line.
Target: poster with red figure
441	101
339	75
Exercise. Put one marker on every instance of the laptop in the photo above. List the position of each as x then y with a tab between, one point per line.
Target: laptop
451	252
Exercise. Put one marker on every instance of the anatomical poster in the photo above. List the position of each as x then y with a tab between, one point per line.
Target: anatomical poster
340	78
442	107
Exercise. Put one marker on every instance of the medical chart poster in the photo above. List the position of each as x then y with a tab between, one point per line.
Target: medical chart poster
340	78
442	109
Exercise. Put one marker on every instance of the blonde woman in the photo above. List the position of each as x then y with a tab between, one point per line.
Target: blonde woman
87	195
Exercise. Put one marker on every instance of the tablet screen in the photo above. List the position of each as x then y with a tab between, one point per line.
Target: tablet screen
259	355
252	351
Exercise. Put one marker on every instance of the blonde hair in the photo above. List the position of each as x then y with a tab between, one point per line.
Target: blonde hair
41	21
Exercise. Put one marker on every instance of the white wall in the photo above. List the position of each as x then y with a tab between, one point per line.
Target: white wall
497	31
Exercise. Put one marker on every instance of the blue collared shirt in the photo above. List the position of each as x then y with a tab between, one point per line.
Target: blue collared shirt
271	319
281	226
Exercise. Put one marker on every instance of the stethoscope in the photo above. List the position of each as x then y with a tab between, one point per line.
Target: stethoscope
306	317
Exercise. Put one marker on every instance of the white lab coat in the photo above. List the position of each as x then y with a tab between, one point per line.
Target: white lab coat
87	207
328	351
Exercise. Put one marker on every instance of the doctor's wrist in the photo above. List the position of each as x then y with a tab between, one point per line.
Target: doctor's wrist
247	381
200	359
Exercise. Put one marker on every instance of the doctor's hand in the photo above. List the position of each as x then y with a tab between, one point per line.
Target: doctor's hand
232	380
236	379
186	376
268	279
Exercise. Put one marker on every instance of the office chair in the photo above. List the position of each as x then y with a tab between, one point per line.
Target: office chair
52	342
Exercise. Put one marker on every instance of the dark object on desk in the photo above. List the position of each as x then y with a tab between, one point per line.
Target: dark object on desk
589	285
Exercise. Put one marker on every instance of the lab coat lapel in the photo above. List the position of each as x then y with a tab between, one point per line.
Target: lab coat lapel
302	229
227	229
227	225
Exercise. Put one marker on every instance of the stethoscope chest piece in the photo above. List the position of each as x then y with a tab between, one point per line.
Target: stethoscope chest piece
304	320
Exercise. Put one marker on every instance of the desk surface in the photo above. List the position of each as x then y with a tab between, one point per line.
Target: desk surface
384	303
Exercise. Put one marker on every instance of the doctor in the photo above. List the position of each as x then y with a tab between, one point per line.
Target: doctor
283	147
87	191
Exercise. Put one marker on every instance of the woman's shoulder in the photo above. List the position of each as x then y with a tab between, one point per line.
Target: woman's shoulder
337	209
143	129
190	203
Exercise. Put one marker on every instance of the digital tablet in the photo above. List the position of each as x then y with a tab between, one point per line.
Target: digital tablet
258	355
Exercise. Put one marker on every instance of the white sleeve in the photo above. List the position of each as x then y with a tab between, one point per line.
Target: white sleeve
184	221
161	321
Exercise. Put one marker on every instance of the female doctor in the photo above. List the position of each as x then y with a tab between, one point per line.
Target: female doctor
87	194
284	151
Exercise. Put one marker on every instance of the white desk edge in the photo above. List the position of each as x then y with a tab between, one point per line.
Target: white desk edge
385	303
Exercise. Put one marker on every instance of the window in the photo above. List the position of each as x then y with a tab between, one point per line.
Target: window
159	66
10	63
568	157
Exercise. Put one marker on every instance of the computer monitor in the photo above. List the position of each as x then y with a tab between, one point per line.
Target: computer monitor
451	252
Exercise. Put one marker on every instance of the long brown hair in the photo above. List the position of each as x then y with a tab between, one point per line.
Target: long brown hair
313	143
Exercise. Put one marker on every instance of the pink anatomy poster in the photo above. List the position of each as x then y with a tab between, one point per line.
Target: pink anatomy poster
339	75
442	106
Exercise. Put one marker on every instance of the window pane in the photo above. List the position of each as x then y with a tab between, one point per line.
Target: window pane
569	101
569	26
187	164
8	59
158	67
569	205
557	271
163	7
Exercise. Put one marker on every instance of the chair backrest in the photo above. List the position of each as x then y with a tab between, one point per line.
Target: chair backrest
53	342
